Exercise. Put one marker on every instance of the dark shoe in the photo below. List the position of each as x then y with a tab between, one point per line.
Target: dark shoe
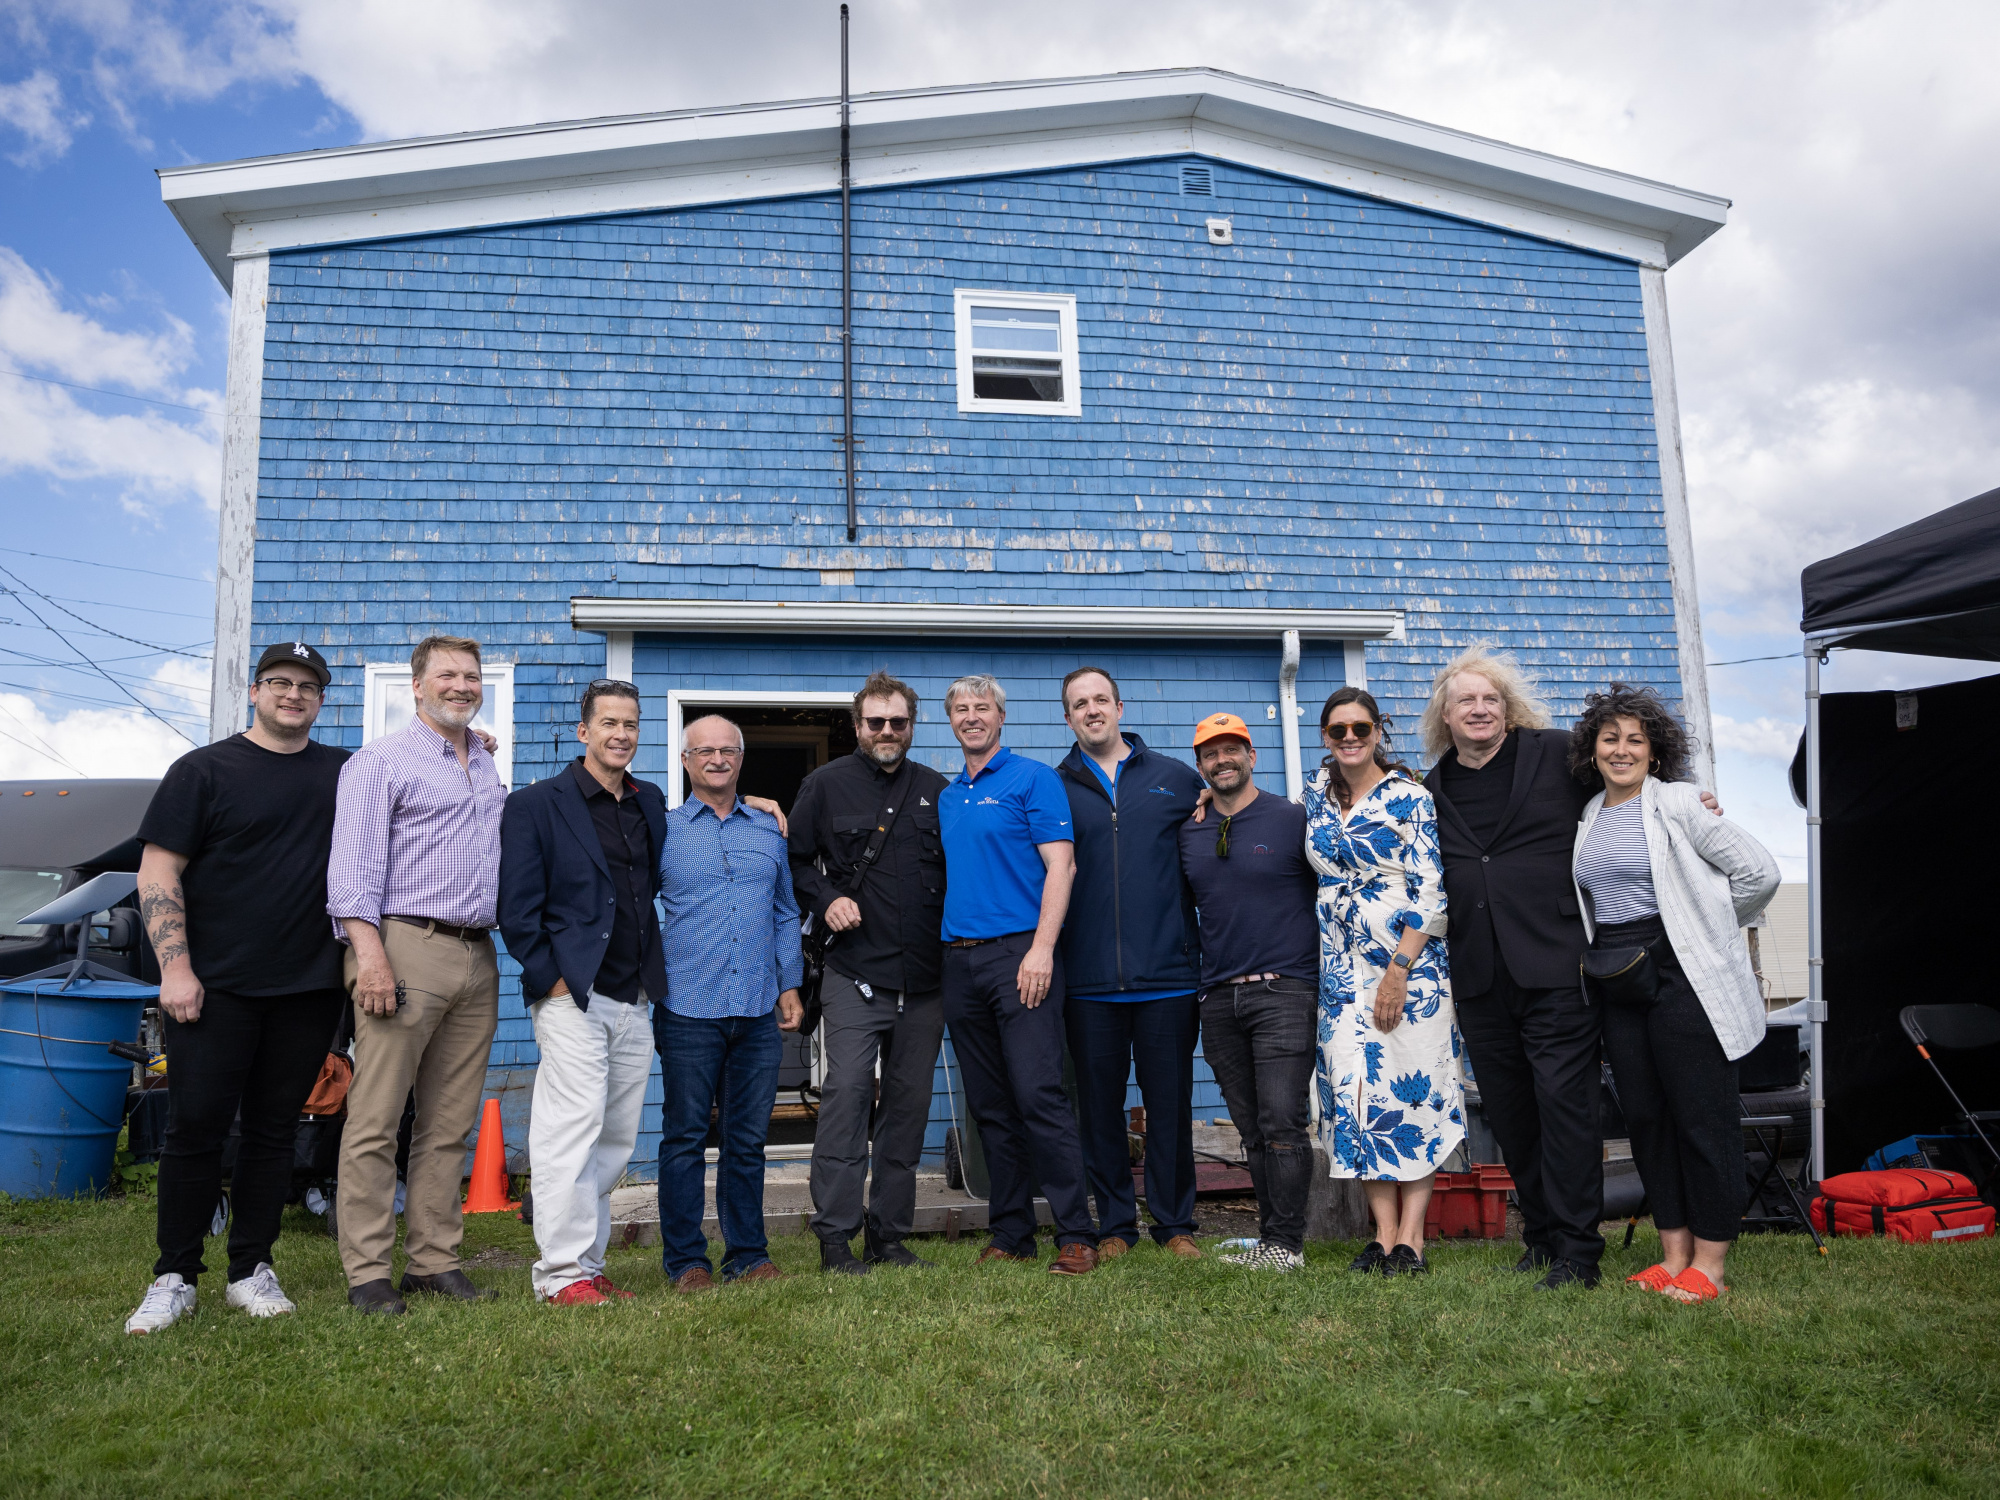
1534	1258
694	1279
1564	1273
880	1252
838	1257
1369	1259
1074	1260
377	1297
1403	1261
762	1271
454	1284
994	1252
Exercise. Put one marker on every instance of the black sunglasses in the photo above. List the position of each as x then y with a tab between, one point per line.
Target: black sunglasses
1338	732
898	723
1222	838
613	685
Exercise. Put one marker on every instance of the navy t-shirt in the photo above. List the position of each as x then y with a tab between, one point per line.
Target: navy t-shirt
1256	906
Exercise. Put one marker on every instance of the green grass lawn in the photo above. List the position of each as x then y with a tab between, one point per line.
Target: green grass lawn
1876	1372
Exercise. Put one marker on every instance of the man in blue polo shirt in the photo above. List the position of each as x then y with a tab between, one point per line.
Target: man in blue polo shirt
1009	862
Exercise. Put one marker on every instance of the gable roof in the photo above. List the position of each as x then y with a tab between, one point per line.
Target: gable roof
634	163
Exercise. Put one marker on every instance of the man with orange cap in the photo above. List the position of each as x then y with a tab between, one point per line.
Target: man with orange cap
1254	892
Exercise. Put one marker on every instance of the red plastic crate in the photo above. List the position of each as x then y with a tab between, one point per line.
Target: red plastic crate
1469	1205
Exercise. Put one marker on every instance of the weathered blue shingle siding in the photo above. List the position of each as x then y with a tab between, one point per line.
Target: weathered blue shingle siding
1355	405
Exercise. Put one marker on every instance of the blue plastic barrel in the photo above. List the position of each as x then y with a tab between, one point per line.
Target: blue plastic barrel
62	1095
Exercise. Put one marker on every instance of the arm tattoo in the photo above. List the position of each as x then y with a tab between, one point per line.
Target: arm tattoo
166	920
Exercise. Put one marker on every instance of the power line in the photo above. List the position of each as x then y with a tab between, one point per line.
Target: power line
49	692
50	754
91	562
115	635
144	609
1781	656
47	749
106	675
98	390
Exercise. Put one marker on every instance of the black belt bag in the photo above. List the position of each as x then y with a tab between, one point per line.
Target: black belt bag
1620	976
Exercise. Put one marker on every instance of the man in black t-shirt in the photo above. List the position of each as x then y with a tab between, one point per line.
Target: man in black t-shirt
232	887
1254	893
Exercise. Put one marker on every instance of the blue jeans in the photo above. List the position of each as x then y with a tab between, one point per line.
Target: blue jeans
729	1063
1107	1039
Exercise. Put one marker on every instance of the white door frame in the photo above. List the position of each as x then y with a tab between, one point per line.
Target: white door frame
732	698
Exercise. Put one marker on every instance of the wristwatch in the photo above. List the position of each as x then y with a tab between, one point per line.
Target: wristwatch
1404	962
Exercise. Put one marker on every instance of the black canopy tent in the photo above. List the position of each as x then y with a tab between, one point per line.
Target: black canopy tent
1931	588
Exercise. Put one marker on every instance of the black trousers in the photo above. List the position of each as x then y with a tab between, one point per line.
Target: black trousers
259	1054
1535	1055
1679	1094
1011	1059
1259	1040
1108	1041
903	1031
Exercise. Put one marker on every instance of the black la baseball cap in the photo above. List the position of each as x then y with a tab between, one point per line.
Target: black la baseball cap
294	654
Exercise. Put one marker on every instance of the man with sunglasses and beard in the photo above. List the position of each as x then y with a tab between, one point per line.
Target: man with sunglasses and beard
1254	893
868	864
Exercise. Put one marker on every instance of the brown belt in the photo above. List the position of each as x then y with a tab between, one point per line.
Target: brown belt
969	942
449	929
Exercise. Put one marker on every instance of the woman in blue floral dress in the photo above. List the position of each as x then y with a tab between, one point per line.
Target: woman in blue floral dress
1391	1105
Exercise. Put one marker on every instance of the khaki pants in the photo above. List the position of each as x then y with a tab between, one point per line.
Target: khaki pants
437	1044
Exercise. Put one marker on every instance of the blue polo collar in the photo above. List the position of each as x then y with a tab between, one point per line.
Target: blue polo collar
1000	758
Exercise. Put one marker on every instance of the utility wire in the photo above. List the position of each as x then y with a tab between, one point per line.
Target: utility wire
50	754
144	609
1781	656
115	635
101	672
98	390
48	692
47	749
91	562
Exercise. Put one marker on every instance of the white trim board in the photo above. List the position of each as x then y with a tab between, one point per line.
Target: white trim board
635	163
386	706
731	698
236	529
827	617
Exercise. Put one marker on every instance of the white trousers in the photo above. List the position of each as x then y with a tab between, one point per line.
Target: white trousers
589	1091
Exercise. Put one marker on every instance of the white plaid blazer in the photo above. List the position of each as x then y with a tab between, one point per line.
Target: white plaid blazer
1710	877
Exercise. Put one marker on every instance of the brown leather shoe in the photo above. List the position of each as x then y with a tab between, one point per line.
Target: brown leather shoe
1075	1260
1183	1246
994	1252
1112	1248
762	1271
694	1279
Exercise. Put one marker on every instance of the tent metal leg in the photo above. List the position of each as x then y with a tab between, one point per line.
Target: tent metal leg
1815	932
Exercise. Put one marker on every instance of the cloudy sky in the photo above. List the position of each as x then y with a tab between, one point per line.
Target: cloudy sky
1838	344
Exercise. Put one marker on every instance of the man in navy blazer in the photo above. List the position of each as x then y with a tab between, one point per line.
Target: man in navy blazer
579	868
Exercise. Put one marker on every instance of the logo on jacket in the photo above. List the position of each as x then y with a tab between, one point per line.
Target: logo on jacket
1161	790
923	802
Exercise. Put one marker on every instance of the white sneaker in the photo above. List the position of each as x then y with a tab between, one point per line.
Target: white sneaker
167	1301
1269	1257
259	1294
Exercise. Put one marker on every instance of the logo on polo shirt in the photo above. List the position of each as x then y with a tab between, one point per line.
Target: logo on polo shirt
987	802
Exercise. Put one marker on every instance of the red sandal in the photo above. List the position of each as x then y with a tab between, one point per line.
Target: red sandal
1692	1286
1652	1279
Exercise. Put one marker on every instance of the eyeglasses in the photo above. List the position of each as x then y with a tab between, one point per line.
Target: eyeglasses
897	723
714	752
614	685
1338	732
284	687
1222	838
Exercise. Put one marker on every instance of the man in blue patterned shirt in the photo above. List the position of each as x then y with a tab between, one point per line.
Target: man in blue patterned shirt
733	972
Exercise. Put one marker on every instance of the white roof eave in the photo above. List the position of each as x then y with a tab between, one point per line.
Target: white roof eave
630	164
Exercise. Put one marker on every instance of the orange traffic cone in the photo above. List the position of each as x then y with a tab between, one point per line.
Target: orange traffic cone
489	1166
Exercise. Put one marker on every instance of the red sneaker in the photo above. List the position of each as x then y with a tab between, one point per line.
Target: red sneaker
603	1285
579	1294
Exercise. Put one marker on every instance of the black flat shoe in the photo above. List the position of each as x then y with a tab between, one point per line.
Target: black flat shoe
454	1284
895	1253
836	1256
377	1297
1403	1261
1564	1273
1534	1259
1369	1259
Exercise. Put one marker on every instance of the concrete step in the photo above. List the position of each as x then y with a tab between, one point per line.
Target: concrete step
788	1207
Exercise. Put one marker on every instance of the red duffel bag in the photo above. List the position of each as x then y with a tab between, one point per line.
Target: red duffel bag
1910	1203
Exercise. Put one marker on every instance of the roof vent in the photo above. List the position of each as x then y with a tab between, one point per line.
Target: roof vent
1197	181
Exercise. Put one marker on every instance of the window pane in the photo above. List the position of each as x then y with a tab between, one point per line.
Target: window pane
995	379
23	891
1030	329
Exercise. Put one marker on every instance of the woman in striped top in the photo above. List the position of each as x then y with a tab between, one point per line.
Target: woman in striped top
1656	871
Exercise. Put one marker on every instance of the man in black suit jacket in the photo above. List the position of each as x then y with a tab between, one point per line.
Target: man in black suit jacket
579	868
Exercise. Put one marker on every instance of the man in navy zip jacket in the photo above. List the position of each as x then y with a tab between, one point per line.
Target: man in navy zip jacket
1130	953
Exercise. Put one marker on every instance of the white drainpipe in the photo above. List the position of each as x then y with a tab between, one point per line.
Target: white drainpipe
1288	715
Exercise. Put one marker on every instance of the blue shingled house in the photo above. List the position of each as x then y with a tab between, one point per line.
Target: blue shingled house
1241	392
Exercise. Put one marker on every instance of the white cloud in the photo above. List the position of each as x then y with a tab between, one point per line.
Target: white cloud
34	106
45	428
1768	739
43	737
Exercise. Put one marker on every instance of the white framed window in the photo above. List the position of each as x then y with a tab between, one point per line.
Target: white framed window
1017	353
387	705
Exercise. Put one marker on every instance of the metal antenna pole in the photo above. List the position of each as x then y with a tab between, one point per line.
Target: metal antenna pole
846	296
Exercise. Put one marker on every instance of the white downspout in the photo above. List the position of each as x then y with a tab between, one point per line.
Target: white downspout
1288	715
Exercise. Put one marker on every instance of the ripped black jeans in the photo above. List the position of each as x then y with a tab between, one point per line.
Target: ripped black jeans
1258	1039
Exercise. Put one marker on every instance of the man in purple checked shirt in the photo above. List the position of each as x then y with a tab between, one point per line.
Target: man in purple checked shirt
413	887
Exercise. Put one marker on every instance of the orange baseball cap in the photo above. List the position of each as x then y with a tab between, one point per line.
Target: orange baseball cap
1220	726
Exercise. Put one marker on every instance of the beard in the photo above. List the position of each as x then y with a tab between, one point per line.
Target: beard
887	752
451	715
